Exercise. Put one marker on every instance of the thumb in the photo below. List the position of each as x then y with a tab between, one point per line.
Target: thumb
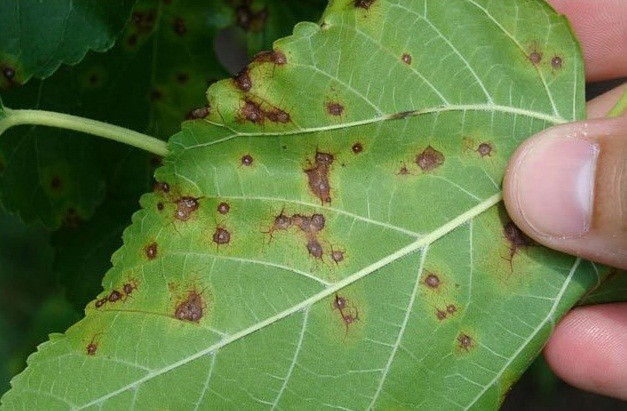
567	189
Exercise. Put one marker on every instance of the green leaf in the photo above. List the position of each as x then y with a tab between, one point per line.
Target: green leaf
613	289
330	235
37	37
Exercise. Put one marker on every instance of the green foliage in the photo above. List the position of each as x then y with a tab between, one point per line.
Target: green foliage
328	232
37	36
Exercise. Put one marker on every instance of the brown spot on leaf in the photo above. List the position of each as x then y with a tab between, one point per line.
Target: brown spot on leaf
440	315
71	220
403	171
535	57
335	109
243	81
185	206
129	287
224	208
197	113
131	41
357	148
144	21
156	95
465	342
160	206
429	159
250	20
114	296
161	187
556	62
318	176
56	183
432	280
276	57
278	116
151	251
451	309
364	4
337	256
484	149
221	236
91	348
182	78
516	239
99	303
247	160
314	248
317	222
252	112
8	73
339	303
179	26
191	309
406	58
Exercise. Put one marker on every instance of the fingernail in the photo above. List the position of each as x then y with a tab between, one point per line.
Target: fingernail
555	185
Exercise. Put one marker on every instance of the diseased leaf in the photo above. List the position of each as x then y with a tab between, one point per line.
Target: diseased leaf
330	235
38	36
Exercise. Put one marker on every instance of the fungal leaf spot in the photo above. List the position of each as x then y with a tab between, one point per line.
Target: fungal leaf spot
406	58
314	248
185	206
484	149
221	236
364	4
114	296
432	280
191	309
337	256
151	251
277	57
179	26
465	342
224	208
243	81
535	57
516	239
318	176
197	113
556	62
429	159
335	109
357	148
247	160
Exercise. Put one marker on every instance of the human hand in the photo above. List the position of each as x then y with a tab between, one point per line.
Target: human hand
567	188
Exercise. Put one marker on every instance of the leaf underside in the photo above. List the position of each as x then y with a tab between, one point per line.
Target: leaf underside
330	236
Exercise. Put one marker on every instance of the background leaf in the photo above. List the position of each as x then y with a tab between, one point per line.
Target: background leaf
151	81
392	123
37	36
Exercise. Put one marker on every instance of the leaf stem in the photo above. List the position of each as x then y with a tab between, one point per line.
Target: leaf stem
69	122
620	108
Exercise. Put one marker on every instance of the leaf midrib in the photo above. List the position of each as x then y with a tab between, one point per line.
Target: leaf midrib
488	108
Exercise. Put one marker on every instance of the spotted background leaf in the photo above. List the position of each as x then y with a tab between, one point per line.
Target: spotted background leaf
31	48
330	235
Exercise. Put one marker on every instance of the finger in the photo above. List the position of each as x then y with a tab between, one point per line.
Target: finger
567	188
588	349
601	105
601	26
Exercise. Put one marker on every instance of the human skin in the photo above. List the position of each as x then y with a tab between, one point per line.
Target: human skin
567	189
